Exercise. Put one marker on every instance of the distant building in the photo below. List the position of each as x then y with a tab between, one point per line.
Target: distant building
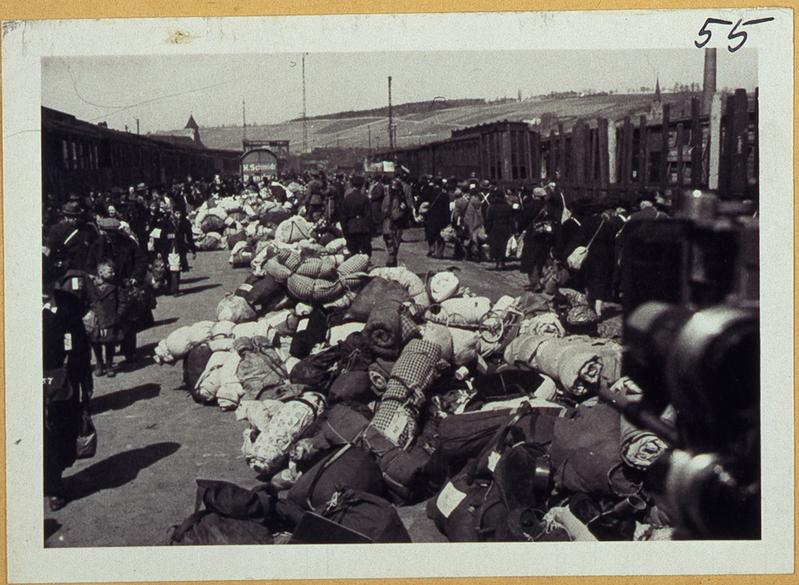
656	107
189	136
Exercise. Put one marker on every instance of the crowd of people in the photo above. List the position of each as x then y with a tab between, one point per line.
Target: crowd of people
106	256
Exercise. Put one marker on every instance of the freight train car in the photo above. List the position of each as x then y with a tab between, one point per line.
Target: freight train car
79	157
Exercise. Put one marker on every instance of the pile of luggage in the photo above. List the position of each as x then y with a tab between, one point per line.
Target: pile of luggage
364	390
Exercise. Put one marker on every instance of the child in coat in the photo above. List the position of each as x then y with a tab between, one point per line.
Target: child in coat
107	305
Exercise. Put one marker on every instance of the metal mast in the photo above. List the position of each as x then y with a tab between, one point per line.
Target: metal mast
304	111
243	121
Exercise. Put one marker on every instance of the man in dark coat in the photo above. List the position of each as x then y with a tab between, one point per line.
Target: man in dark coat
70	239
537	240
68	383
356	218
376	192
499	226
435	211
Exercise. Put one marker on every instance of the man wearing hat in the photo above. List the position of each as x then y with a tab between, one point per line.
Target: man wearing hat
69	240
356	218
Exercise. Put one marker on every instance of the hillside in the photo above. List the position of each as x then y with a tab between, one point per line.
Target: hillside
429	126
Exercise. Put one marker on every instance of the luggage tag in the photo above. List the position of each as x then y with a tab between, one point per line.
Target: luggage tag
395	428
170	236
156	233
449	499
245	287
493	459
75	283
67	342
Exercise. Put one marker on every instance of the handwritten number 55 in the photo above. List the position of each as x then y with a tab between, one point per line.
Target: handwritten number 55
736	32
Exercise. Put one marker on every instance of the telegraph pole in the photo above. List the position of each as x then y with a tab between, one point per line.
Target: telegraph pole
390	118
304	111
243	122
137	126
369	135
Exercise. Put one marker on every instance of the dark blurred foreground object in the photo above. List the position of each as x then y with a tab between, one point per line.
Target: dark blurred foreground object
692	340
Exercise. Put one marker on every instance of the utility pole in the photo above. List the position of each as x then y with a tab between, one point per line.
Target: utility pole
390	118
243	122
137	126
304	110
369	135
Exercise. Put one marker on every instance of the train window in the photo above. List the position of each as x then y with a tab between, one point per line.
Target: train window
74	148
65	153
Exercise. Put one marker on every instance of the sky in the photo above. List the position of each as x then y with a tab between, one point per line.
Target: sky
161	91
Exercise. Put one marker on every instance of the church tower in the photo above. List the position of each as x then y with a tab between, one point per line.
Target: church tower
193	129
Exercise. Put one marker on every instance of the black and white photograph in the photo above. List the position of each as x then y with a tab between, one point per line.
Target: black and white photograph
486	297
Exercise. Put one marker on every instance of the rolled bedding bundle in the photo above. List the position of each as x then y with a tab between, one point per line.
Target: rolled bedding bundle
293	229
410	281
210	380
547	324
441	336
388	329
442	286
462	312
575	365
266	450
210	241
520	351
178	343
411	377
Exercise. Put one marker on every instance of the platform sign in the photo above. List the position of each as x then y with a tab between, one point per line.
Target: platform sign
257	164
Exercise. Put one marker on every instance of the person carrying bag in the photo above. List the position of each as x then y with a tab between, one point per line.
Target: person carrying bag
578	256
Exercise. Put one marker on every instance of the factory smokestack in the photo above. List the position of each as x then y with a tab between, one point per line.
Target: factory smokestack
709	84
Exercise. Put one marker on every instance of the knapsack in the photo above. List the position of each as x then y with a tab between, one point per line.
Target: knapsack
500	495
364	516
231	515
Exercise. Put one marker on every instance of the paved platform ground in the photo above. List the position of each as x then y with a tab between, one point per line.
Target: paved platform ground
154	440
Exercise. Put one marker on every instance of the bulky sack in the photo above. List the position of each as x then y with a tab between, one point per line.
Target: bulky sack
232	515
377	291
178	343
211	241
464	312
235	238
409	281
230	390
352	386
572	363
260	368
193	367
465	346
441	336
221	344
463	436
212	223
210	528
336	246
259	328
367	514
222	329
293	229
241	255
348	466
585	449
234	308
266	452
611	328
542	324
316	371
309	332
261	292
388	329
442	286
208	384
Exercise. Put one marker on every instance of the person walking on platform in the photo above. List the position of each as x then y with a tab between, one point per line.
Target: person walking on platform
435	211
396	210
356	218
499	225
537	237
